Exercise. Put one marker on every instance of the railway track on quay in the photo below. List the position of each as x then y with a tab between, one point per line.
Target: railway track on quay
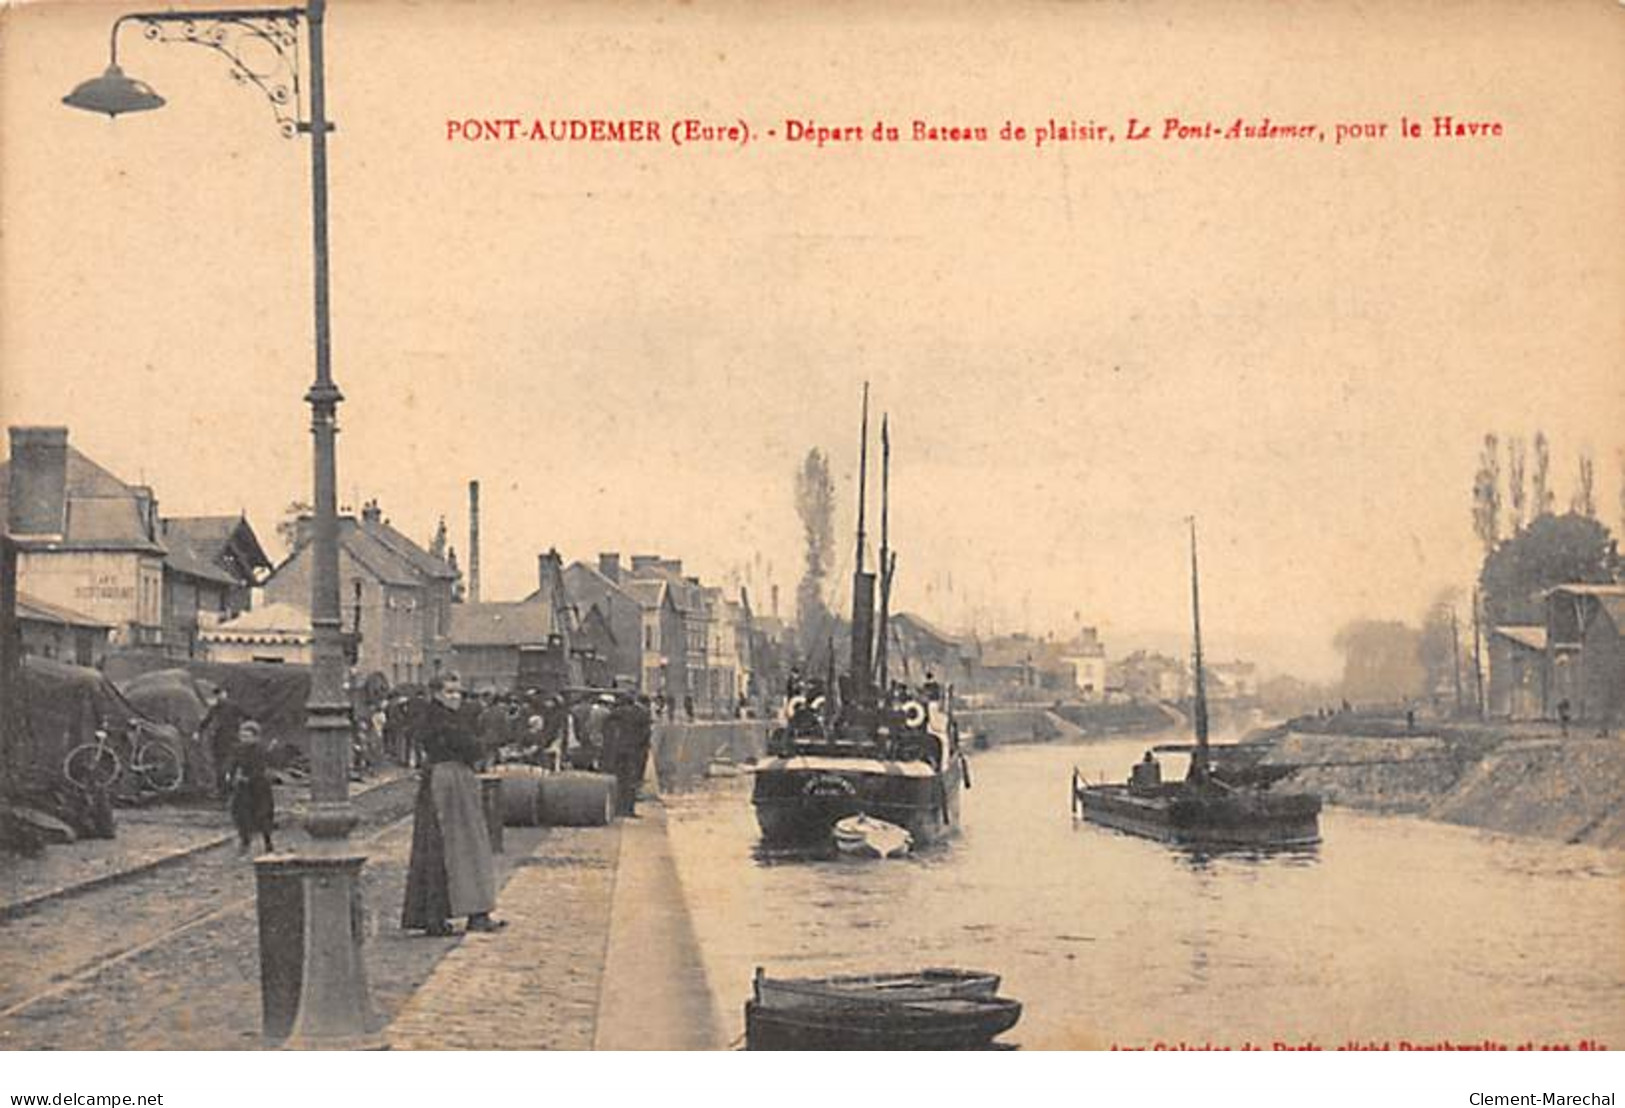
155	930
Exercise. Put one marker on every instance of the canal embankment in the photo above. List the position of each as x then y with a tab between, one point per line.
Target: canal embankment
1042	723
1511	779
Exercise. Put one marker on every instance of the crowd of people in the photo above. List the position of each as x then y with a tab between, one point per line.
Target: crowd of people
448	736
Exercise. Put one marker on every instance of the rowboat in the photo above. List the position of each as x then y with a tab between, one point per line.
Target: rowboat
866	837
901	987
954	1023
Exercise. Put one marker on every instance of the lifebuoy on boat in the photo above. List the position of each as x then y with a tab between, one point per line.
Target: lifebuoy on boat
793	706
914	714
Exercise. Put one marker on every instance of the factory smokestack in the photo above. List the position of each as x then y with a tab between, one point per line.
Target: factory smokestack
473	542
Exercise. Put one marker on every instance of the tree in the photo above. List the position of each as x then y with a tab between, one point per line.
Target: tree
1553	550
1517	489
1541	498
1584	502
1437	648
1382	662
1487	494
287	528
815	505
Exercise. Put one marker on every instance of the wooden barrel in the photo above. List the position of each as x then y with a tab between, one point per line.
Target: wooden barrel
575	798
521	795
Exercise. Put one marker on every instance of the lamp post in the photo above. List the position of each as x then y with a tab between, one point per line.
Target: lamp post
262	46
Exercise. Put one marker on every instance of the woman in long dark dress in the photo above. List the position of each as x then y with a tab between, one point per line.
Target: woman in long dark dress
253	805
450	873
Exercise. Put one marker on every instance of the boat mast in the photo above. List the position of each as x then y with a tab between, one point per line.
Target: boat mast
1199	761
863	477
863	584
887	558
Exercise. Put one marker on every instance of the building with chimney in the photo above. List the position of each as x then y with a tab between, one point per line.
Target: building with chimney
504	645
395	593
595	589
87	542
686	595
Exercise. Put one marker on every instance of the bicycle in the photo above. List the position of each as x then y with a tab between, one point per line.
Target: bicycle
152	761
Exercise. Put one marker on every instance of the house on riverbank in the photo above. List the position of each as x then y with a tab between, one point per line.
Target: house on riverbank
1585	650
1517	679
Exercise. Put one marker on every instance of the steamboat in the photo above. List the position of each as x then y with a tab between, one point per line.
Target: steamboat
861	744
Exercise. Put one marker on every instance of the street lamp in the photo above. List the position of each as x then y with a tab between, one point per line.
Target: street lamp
262	47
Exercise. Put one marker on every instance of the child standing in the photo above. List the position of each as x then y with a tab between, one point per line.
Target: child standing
253	807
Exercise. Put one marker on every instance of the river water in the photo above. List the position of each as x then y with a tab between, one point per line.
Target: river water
1393	929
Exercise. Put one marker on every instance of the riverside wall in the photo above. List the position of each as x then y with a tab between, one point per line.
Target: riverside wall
1513	781
683	751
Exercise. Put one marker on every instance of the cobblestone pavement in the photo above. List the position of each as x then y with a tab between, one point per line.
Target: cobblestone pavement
147	836
535	985
170	958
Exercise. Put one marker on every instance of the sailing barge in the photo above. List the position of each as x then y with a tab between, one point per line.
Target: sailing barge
1224	802
862	744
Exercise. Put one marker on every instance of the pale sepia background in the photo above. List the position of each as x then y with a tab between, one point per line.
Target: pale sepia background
632	347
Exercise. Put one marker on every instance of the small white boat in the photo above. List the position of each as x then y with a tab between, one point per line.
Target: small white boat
867	837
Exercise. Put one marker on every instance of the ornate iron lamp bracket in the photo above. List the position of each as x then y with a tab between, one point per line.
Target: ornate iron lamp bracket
262	45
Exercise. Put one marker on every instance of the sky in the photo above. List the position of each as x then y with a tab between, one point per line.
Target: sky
633	346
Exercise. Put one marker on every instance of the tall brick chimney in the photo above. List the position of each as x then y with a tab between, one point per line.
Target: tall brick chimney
38	487
473	542
609	564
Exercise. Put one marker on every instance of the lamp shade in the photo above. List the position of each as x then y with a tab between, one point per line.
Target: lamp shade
113	94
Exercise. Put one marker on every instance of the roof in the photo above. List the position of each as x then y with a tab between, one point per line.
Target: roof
268	623
194	550
387	567
35	610
649	592
100	511
1532	637
502	624
414	555
1019	650
585	585
217	541
687	595
925	628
